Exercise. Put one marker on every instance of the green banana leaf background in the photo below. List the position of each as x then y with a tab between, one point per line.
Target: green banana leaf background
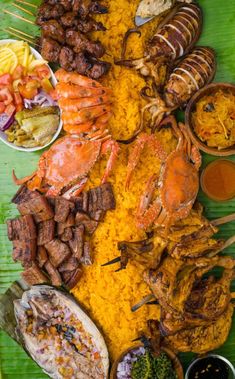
219	33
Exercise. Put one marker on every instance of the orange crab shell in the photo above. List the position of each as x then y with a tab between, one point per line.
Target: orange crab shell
68	160
179	182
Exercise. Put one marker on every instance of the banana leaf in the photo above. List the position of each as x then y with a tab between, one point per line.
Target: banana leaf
219	33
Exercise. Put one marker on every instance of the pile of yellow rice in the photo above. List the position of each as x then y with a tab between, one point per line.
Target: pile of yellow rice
108	296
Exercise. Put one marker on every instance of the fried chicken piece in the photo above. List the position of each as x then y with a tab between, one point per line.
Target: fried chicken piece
173	281
81	43
50	50
147	252
52	29
203	339
197	244
208	300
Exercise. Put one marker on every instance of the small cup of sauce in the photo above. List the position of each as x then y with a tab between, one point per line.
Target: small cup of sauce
211	367
218	180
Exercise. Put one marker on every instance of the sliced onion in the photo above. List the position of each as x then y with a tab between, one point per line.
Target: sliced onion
42	99
6	121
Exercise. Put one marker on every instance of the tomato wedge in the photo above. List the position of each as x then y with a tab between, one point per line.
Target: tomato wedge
6	79
10	110
2	107
18	72
6	96
42	72
30	89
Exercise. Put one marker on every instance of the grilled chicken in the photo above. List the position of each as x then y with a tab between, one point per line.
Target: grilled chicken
207	302
202	339
173	281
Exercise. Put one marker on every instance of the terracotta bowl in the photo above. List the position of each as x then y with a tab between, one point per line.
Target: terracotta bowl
174	359
207	90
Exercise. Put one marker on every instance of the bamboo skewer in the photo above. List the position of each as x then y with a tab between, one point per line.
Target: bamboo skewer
20	32
21	37
26	3
18	16
23	9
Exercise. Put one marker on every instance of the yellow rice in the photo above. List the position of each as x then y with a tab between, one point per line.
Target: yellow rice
108	296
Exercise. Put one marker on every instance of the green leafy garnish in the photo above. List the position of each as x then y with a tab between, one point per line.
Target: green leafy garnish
148	366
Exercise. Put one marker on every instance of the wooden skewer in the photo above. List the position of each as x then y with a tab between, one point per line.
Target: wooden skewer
21	37
18	16
223	220
20	32
23	9
26	3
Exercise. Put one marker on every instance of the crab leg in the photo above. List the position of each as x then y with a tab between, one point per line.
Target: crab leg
114	147
134	157
76	189
19	182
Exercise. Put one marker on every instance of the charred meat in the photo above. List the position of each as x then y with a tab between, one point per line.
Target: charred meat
50	49
52	29
51	239
81	43
64	27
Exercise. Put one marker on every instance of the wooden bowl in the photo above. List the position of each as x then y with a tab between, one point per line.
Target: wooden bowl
174	359
207	90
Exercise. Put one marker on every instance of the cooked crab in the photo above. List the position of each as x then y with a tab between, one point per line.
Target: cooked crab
178	182
67	163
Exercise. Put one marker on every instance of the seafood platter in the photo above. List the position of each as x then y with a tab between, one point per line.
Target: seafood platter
117	195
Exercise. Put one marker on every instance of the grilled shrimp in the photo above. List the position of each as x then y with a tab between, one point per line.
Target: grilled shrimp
173	39
74	78
74	105
99	124
85	114
73	91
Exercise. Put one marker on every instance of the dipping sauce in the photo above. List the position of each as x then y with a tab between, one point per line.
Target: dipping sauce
210	368
218	180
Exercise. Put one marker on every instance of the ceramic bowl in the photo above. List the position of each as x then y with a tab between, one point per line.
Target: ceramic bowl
3	136
207	90
174	359
231	369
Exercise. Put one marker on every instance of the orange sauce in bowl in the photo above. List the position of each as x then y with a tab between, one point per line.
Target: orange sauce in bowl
218	180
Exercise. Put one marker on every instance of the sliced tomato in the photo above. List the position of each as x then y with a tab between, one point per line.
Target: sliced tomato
10	109
2	107
30	89
42	72
18	72
5	79
6	96
46	85
18	101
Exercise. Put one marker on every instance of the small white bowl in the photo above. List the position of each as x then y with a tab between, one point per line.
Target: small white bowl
3	136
